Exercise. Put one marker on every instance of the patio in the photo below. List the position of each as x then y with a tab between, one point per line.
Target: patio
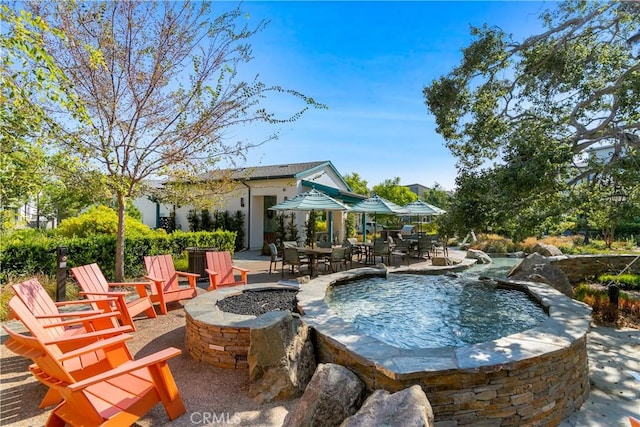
210	392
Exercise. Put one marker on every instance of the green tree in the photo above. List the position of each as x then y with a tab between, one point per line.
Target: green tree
437	196
391	190
160	82
357	184
526	109
28	74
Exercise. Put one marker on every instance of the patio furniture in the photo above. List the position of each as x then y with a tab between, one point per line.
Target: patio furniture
355	248
84	365
380	249
292	258
222	272
337	259
40	314
166	287
290	244
275	259
440	246
425	246
96	288
119	396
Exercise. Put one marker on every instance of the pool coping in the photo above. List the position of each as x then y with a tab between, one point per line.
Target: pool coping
567	323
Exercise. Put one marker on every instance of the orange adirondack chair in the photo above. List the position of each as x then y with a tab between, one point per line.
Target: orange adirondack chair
114	353
95	287
162	273
53	325
116	397
221	271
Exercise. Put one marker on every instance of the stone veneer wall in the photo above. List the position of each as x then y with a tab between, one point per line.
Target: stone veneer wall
221	346
538	391
580	267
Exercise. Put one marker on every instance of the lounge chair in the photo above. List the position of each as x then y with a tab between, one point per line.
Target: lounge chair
221	271
162	273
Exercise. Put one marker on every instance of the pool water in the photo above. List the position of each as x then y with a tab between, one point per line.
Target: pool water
429	311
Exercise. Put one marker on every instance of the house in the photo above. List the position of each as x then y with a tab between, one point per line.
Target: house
255	189
418	189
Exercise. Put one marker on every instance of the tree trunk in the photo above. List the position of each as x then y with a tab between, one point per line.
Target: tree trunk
119	273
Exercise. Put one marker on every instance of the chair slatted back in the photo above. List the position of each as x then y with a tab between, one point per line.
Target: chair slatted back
220	262
46	357
38	303
337	254
161	267
90	278
291	256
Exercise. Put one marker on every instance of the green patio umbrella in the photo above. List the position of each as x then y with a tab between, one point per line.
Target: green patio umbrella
421	208
376	205
313	200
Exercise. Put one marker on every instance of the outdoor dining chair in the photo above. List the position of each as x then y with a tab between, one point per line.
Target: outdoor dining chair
292	258
275	258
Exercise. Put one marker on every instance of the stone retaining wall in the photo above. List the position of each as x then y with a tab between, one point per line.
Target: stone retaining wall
539	391
221	346
580	267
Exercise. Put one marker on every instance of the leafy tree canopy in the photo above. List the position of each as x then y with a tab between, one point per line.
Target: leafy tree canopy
391	190
517	114
357	184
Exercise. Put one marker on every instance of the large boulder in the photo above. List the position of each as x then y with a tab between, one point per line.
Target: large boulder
481	256
409	407
281	357
546	250
333	394
538	268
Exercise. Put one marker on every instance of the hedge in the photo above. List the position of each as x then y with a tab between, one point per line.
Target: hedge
31	257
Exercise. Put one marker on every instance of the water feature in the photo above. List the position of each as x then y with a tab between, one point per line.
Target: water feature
428	311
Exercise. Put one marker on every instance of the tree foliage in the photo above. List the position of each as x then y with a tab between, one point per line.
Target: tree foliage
391	190
517	114
160	83
357	184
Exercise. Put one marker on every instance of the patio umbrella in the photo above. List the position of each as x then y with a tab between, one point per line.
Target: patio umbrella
421	208
313	200
376	205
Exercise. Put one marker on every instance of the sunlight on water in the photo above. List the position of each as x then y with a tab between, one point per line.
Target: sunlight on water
427	311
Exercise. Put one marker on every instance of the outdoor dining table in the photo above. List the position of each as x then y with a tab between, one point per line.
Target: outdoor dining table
314	254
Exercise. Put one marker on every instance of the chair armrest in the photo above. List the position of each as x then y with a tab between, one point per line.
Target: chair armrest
98	345
114	294
185	274
126	284
74	302
95	335
211	272
153	359
240	269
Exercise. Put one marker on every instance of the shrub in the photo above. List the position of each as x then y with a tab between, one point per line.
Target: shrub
101	220
493	243
625	281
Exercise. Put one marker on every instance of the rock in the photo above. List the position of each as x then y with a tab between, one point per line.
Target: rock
441	261
537	268
409	407
518	254
333	394
546	250
482	257
281	357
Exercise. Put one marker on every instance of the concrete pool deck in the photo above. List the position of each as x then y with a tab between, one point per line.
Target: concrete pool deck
614	372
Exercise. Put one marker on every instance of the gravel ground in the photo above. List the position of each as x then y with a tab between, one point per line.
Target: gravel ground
258	302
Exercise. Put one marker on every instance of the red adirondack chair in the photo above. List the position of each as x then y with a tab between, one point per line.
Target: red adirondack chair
55	325
221	271
119	396
96	288
162	273
112	354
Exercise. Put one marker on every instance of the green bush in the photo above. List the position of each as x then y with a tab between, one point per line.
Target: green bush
625	281
101	220
27	258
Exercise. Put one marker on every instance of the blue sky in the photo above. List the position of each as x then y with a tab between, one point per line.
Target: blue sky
368	62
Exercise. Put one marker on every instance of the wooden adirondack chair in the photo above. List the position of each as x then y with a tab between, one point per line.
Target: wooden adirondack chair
50	324
96	288
221	271
162	273
114	353
119	396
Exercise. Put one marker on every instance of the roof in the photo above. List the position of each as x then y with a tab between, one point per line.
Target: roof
345	196
287	170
